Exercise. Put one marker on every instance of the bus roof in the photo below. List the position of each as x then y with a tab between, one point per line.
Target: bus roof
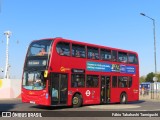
87	44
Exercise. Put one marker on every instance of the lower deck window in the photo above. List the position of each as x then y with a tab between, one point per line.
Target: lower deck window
124	82
78	80
130	82
114	81
92	81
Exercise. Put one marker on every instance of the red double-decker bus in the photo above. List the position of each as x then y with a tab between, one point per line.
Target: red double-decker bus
64	72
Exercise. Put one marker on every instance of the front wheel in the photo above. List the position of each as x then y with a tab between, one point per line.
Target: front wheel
123	98
77	100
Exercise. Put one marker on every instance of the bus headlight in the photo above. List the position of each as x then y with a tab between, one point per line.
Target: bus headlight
46	95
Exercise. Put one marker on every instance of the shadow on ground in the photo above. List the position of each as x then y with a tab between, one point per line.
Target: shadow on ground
6	107
70	107
51	107
137	102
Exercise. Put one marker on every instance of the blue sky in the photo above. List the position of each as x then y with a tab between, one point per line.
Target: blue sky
114	23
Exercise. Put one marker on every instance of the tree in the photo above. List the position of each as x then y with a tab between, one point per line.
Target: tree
158	76
149	77
142	79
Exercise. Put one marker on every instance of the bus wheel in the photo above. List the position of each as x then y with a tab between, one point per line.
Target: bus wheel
77	100
123	98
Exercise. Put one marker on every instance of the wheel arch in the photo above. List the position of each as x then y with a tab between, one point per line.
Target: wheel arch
78	94
124	92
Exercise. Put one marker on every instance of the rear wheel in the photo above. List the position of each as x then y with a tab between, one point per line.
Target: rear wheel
77	100
123	98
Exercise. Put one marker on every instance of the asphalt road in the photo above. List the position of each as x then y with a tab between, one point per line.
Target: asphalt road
142	105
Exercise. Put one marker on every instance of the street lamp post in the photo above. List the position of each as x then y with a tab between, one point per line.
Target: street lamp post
6	73
154	34
155	62
155	79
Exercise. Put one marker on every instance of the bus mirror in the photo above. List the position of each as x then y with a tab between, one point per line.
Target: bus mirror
45	73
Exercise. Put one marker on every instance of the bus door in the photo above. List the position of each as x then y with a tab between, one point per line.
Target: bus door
59	88
105	89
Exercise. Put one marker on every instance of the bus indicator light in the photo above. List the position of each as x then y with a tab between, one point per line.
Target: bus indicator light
46	95
45	73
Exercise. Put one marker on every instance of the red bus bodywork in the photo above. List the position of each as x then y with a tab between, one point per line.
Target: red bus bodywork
64	65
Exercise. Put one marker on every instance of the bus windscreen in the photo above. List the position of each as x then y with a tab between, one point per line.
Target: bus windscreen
40	48
33	80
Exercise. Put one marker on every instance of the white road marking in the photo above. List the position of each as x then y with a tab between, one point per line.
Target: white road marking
114	106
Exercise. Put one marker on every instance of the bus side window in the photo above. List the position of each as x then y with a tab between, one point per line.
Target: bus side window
92	81
63	49
114	81
132	59
105	54
114	55
78	80
78	51
122	57
122	82
130	82
93	53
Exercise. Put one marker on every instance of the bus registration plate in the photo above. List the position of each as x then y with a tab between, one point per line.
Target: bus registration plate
32	102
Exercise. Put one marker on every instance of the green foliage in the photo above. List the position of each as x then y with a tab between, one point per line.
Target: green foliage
142	79
158	75
149	77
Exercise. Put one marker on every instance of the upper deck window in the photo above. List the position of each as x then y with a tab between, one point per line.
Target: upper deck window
93	53
132	59
105	54
122	57
114	55
78	51
63	48
40	48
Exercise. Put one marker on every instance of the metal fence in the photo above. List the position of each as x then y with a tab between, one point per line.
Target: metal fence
150	90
